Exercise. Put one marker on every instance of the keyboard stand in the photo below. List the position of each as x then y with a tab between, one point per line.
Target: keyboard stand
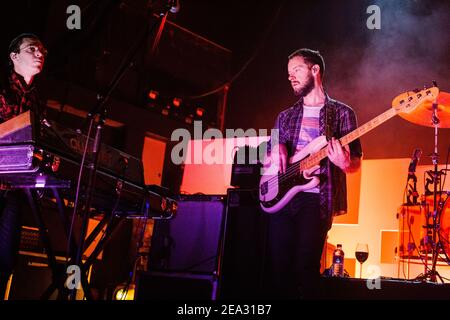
59	271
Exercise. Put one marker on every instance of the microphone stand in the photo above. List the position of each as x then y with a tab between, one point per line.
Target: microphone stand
432	273
413	195
100	109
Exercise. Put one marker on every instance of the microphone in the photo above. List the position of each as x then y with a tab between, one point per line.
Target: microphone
174	6
414	160
412	192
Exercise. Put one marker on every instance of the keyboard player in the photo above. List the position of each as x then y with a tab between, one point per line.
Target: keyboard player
26	55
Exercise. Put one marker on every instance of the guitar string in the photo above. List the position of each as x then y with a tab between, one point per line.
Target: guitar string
281	178
290	172
294	169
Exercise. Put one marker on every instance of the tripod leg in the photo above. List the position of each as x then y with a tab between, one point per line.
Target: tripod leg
67	227
111	227
94	233
43	232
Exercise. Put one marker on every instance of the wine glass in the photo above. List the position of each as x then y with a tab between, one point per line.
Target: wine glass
361	253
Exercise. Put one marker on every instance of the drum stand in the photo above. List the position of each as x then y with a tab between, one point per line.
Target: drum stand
431	274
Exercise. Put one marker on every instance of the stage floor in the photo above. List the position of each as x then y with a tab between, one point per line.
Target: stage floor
381	289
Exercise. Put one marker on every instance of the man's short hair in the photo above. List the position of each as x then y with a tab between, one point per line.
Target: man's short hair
311	58
15	44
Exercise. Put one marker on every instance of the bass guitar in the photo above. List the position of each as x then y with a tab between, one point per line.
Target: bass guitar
277	189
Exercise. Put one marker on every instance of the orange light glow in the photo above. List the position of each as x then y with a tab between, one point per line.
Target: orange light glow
166	111
212	178
152	94
176	102
200	112
188	119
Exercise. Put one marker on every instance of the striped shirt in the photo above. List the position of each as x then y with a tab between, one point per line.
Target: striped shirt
309	130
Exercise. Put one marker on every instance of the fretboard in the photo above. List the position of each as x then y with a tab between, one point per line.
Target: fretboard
314	159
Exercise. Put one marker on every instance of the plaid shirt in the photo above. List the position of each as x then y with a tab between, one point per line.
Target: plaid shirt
342	120
17	97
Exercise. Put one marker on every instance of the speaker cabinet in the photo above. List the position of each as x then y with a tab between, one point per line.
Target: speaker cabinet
31	278
205	232
171	285
189	242
244	246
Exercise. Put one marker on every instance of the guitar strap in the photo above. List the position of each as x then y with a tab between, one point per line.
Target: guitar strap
330	114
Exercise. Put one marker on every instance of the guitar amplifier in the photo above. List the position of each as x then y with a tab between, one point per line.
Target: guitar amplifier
246	169
189	241
166	285
243	257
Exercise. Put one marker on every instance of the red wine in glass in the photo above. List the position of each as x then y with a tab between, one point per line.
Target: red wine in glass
361	254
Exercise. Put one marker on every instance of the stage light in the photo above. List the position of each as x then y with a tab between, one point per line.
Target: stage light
176	102
124	292
166	110
152	94
189	119
199	112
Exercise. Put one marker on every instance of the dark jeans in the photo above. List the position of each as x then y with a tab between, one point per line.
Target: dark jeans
10	221
295	240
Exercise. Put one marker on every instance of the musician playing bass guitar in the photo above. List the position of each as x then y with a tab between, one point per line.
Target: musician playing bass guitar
298	223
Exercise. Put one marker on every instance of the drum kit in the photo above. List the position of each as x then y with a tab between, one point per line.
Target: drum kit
425	225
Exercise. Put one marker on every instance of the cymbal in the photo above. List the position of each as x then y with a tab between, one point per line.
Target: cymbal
422	114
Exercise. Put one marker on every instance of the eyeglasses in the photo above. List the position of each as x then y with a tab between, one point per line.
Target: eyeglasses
33	49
